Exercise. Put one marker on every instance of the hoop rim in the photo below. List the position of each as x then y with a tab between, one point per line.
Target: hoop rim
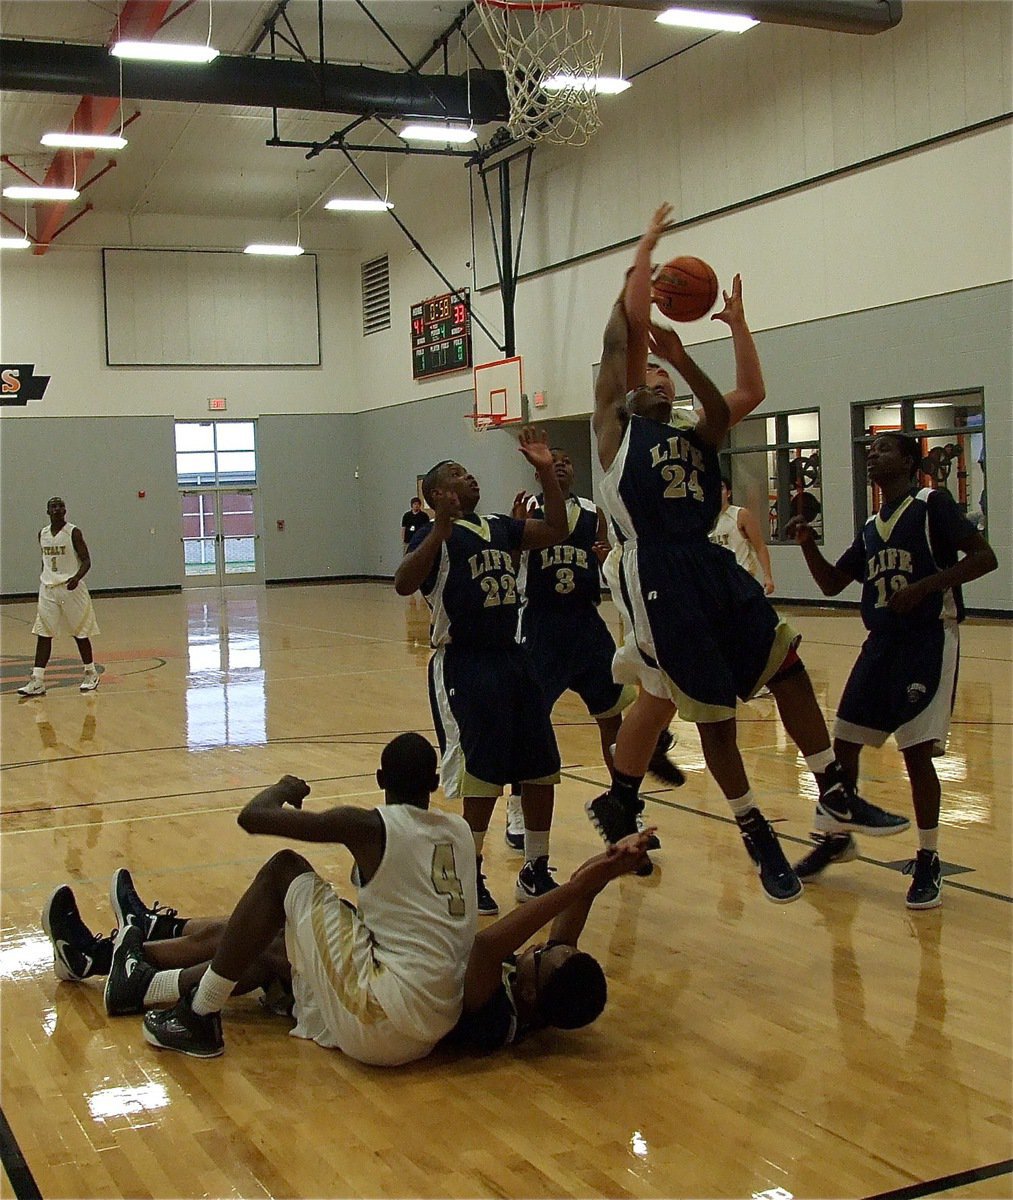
537	6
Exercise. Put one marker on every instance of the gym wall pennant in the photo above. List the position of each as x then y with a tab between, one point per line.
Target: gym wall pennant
19	383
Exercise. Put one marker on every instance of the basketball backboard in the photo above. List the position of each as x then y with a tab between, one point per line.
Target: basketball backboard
499	394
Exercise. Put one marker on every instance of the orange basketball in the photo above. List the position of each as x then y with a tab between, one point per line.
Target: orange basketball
685	289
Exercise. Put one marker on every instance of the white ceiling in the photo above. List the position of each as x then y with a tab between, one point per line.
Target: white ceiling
211	160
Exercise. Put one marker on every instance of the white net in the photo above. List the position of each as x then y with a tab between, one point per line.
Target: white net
552	57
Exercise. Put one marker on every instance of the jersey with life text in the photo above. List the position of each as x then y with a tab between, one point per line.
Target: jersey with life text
563	577
664	485
472	587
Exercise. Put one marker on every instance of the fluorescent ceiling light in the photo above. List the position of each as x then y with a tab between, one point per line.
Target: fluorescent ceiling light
601	85
350	204
84	141
14	243
439	133
692	18
34	192
280	251
165	52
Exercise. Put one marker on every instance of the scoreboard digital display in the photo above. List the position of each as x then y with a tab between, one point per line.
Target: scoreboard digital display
441	334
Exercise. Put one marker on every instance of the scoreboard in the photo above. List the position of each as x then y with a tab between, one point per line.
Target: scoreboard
441	334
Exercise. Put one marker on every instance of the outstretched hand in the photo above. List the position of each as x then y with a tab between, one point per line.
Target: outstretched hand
657	226
665	343
519	510
621	859
446	507
733	312
800	529
534	445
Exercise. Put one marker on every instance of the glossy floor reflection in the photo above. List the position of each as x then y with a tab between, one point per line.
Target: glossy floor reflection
840	1046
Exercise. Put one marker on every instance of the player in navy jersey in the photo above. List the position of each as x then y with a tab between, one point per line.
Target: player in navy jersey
705	634
485	700
570	645
906	558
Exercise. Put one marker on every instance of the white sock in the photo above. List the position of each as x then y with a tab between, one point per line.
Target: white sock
212	992
928	839
536	844
90	669
39	673
163	989
741	806
479	836
818	762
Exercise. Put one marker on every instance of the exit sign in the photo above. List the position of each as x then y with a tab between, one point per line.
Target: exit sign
217	404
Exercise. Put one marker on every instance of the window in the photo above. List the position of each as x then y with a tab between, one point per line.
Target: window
216	453
951	429
773	463
375	295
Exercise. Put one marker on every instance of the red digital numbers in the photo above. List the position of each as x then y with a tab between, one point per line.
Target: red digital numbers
459	313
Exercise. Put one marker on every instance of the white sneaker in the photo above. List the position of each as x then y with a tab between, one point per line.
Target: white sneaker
34	687
90	681
514	835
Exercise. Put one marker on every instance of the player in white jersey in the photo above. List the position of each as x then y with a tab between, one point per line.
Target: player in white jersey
739	531
63	598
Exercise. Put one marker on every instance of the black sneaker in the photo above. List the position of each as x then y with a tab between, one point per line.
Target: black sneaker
653	842
129	975
77	952
927	884
612	818
487	906
827	848
180	1028
535	879
841	809
646	867
155	923
661	766
514	835
778	880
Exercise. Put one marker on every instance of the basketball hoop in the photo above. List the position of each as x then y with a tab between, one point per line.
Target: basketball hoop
551	55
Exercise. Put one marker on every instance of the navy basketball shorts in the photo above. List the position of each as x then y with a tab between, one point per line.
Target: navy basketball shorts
705	633
492	721
573	651
902	684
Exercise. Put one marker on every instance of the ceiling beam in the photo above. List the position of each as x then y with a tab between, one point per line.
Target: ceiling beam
838	16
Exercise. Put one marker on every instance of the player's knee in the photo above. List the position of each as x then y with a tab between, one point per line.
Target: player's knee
792	668
281	868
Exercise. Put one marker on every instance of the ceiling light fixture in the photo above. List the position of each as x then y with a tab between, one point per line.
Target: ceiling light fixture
277	251
439	133
84	141
36	192
600	85
14	243
175	52
352	204
692	18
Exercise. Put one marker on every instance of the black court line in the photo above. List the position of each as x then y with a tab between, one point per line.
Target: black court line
946	1183
789	837
18	1172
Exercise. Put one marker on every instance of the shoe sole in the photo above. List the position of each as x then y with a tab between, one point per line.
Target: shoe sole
489	912
825	823
29	695
784	899
62	971
920	906
91	687
153	1041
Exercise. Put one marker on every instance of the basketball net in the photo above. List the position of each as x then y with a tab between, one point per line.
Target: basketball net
538	42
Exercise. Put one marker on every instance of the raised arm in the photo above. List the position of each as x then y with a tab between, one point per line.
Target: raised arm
610	388
713	425
501	939
637	299
534	445
749	390
830	578
414	568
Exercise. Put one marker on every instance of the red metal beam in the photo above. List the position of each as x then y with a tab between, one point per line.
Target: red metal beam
138	20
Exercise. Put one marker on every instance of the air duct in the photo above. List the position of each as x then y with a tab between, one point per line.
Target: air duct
479	96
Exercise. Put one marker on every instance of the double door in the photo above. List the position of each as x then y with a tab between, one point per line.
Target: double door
221	543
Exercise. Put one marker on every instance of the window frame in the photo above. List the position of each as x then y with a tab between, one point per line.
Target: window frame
218	482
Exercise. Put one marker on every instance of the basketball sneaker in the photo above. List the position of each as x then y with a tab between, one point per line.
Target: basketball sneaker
155	923
34	687
535	879
927	883
487	906
514	836
663	767
653	842
645	868
77	952
827	848
180	1028
840	809
129	975
612	818
91	681
778	880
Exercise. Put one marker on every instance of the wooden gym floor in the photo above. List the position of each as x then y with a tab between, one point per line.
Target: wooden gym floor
839	1046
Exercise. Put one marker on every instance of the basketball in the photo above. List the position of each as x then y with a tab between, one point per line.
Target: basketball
685	289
